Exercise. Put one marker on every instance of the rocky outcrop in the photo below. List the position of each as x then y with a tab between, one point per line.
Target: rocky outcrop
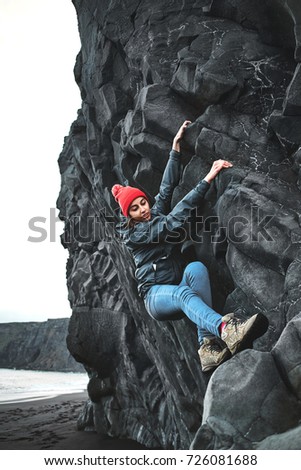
37	346
233	68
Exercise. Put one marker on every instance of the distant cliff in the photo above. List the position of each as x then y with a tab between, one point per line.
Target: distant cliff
233	68
37	346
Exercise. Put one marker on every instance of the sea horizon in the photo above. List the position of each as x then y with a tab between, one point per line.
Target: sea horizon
20	385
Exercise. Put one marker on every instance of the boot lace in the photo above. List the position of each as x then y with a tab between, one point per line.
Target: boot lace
213	346
235	322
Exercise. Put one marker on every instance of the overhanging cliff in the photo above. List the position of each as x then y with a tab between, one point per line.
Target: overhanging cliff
233	68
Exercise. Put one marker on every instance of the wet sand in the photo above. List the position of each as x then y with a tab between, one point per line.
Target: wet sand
51	423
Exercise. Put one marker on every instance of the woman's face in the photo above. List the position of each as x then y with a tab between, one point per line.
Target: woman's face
140	210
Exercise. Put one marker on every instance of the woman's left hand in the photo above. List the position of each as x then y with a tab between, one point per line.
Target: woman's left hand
217	166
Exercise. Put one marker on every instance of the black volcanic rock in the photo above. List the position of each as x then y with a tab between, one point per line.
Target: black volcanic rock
233	68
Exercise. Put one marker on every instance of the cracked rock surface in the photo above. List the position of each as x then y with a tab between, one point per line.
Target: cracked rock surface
233	68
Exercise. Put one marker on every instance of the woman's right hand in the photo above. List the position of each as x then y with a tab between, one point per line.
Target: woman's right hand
179	136
217	166
180	133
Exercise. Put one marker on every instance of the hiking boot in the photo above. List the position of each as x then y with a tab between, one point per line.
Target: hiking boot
239	334
212	353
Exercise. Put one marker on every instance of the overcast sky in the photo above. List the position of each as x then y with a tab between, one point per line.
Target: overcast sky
39	42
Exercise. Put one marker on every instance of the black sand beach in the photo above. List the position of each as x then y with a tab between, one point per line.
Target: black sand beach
50	424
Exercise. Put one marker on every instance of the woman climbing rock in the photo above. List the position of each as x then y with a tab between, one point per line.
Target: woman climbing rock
168	285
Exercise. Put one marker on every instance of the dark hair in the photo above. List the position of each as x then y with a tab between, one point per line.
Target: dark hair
130	222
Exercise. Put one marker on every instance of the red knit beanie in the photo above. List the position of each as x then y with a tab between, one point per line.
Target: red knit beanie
125	195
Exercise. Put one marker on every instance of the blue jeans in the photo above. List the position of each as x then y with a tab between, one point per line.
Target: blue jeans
191	297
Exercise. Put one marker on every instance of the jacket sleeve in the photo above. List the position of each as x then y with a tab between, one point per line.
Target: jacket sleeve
170	180
157	229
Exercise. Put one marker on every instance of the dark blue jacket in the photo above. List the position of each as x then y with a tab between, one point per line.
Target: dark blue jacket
154	244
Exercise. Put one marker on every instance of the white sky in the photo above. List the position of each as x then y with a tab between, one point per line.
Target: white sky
39	42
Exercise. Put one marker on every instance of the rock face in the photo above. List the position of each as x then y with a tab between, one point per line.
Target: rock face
37	346
233	68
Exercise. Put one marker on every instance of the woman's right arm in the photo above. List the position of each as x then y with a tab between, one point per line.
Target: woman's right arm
172	173
179	136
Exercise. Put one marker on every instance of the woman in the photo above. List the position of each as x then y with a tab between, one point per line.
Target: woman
167	284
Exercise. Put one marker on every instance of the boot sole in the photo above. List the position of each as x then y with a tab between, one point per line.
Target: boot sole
214	366
258	329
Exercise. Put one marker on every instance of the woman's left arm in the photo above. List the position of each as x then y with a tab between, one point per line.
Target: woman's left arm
159	228
217	166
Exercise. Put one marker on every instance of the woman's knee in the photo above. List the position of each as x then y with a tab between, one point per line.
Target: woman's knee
197	268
